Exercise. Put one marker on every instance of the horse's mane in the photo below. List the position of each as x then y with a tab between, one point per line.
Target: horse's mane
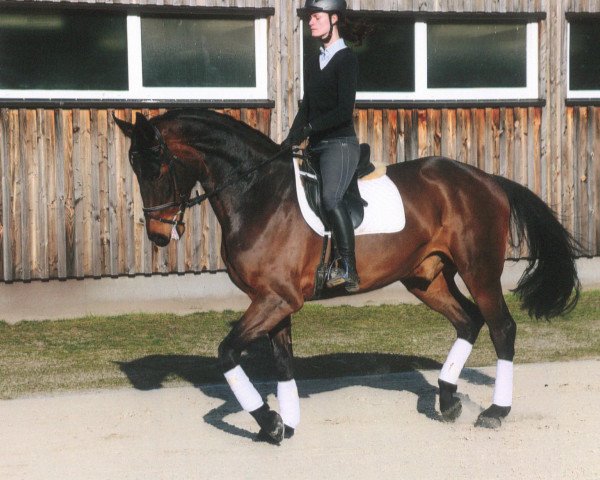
251	137
230	140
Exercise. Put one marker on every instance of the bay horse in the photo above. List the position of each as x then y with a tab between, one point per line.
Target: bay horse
459	220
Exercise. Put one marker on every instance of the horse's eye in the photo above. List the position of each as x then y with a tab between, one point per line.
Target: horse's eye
151	172
146	165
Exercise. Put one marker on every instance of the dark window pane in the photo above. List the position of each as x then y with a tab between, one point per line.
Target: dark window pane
385	51
198	52
584	60
476	55
70	50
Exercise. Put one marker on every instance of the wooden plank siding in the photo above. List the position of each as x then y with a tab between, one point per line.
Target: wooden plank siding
70	205
581	176
71	208
80	216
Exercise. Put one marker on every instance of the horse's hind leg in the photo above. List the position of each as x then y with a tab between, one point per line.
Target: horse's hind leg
503	332
468	318
478	250
443	296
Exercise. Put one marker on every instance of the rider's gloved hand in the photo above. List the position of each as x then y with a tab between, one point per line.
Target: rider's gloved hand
296	136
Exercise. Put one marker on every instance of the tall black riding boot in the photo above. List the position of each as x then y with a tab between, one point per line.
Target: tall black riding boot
343	235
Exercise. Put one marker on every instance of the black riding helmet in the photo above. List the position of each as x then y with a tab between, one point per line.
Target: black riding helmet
329	6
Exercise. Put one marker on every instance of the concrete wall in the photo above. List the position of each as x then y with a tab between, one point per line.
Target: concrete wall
184	294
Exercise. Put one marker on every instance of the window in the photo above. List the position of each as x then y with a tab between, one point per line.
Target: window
378	72
198	53
98	55
466	55
584	62
63	51
442	60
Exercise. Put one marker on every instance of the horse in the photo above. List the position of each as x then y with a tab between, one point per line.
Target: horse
459	221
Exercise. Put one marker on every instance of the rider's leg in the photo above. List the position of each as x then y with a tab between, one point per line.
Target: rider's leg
343	233
338	162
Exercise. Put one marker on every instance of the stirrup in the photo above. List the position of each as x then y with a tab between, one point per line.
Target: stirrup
343	275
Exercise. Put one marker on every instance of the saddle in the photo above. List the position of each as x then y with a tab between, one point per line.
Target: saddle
310	174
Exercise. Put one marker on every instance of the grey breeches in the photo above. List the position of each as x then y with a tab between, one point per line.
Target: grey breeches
338	159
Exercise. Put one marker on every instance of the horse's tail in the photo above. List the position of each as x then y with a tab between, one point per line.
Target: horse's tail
550	285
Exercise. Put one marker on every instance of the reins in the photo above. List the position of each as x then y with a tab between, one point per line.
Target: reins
198	199
233	178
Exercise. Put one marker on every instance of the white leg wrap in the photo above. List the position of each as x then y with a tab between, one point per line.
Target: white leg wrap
503	389
289	403
458	356
243	389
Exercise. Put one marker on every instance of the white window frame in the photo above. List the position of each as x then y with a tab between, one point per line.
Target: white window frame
576	93
423	93
137	91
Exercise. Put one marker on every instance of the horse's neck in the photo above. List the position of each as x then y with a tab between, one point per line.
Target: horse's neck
227	163
249	192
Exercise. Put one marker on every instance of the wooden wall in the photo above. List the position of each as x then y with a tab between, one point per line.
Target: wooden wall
69	205
580	179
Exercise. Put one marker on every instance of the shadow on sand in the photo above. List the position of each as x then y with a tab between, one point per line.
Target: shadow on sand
348	369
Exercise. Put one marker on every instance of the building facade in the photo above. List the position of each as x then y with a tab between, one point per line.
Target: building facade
510	86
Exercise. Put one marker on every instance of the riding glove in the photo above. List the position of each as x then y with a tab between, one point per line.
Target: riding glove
297	136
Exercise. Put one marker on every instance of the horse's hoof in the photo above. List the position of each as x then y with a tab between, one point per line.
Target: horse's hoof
272	429
492	417
451	411
264	437
288	432
450	406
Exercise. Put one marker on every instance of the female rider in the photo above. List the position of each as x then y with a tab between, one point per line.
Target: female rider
325	117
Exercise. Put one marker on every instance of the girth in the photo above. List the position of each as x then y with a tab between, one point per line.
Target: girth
311	179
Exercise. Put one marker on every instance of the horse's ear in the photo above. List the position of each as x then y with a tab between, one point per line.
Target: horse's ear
126	127
145	130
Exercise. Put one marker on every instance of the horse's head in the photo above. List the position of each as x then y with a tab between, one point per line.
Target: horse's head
164	185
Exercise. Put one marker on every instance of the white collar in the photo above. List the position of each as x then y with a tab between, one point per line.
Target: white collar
335	47
328	53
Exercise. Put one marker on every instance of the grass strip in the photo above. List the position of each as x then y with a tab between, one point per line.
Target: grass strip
153	350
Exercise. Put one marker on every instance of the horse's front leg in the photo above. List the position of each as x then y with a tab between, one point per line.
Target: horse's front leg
263	315
287	391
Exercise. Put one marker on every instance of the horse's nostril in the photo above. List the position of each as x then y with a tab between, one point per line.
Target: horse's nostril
159	240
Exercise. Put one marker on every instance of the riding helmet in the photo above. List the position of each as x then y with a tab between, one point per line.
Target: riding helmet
325	6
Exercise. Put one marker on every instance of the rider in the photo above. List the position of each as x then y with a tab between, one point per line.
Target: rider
325	117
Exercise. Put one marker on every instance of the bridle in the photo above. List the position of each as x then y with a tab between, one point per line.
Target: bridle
161	149
180	200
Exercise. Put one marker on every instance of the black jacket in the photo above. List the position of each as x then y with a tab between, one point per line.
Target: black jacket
329	96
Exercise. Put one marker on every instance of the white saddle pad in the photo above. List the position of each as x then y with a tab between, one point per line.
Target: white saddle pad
384	214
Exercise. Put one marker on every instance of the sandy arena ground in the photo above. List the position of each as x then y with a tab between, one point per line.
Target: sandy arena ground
381	427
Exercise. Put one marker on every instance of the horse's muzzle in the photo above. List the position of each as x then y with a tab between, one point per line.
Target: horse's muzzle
161	233
158	239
